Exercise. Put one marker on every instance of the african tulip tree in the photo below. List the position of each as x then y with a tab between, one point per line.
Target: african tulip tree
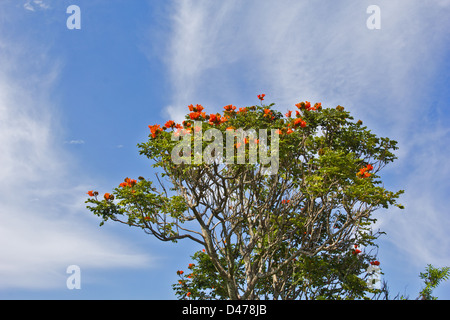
282	217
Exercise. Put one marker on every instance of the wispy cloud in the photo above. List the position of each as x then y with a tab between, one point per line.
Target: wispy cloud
44	224
31	5
224	52
79	141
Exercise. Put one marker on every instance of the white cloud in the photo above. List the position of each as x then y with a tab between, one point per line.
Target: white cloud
79	141
39	4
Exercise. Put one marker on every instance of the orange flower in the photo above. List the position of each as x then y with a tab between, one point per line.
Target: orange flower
307	105
356	251
188	294
216	119
180	272
289	131
90	193
198	108
229	108
300	122
194	115
261	96
177	133
170	124
108	196
191	265
288	114
130	182
363	171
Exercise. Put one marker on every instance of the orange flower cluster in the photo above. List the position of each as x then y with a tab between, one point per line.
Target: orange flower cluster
91	193
196	112
197	108
246	141
128	183
229	108
363	172
170	124
155	129
375	263
261	96
242	110
356	251
285	201
299	122
268	113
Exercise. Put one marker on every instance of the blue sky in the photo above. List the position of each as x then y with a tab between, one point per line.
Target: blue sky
74	104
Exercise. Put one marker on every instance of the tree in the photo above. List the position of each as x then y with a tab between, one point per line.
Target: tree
292	225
